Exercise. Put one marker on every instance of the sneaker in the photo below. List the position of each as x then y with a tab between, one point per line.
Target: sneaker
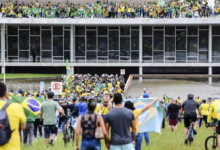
194	131
186	142
51	143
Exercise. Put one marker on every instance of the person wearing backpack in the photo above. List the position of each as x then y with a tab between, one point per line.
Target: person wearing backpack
12	118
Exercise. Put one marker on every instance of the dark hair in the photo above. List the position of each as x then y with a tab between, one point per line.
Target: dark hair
50	94
91	105
2	89
117	98
204	101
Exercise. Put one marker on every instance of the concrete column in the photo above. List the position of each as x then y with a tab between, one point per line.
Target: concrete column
210	44
71	43
3	47
140	73
72	68
210	73
140	43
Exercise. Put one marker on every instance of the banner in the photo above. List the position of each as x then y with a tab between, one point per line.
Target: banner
151	119
36	11
26	11
50	13
56	88
41	87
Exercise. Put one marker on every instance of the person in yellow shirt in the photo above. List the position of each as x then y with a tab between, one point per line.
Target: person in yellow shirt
97	109
63	94
3	12
197	99
36	4
16	118
35	93
104	109
205	111
179	100
119	90
137	113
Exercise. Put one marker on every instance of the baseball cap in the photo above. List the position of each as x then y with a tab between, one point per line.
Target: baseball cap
145	95
144	89
216	97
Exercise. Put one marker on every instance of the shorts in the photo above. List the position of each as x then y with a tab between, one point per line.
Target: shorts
218	128
122	147
187	120
214	121
173	122
49	129
74	122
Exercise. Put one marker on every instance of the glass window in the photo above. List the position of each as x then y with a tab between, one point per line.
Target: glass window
23	40
35	30
158	27
57	30
203	40
169	46
102	31
46	56
102	46
147	30
66	40
46	27
180	55
24	55
46	39
158	40
180	27
192	46
113	56
215	46
35	44
103	59
215	59
203	56
170	30
125	30
215	30
180	40
57	46
12	30
134	40
88	27
91	40
12	46
203	27
80	46
57	58
67	27
12	59
192	30
114	27
80	59
134	27
66	55
135	56
23	27
169	59
125	46
113	40
147	59
158	56
125	59
147	46
80	30
91	56
192	60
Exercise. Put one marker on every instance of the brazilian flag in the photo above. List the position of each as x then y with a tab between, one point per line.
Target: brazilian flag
36	11
68	71
50	13
88	12
31	105
27	11
89	5
98	11
77	14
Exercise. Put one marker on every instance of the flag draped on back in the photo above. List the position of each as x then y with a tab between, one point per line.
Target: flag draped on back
31	105
50	13
150	120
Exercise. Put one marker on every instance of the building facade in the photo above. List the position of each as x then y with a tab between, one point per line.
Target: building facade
140	45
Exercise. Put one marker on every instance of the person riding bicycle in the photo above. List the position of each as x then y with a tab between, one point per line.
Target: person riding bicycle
215	108
189	107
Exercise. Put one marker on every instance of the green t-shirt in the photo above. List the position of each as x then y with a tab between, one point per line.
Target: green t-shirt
49	112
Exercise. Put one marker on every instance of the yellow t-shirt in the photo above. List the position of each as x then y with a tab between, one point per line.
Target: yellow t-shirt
3	9
198	100
137	113
97	109
205	109
63	94
16	117
179	101
129	9
119	10
122	9
214	111
35	94
109	85
195	8
119	90
104	110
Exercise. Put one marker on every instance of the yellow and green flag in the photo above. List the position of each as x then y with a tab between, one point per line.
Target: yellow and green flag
26	11
36	11
50	13
77	14
68	71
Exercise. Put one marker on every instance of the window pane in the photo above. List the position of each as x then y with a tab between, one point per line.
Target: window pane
134	40
66	55
203	27
12	30
57	58
192	60
147	46
169	59
24	55
46	39
158	40
215	46
215	30
113	40
91	40
46	27
203	40
192	46
169	46
181	55
192	30
158	56
147	30
125	59
170	30
135	56
180	27
147	59
215	59
203	56
158	27
102	59
35	30
102	31
12	59
113	56
91	27
35	44
23	27
12	46
80	46
46	56
114	27
23	40
66	40
80	30
67	27
125	46
58	30
180	40
57	46
80	59
102	46
125	30
91	56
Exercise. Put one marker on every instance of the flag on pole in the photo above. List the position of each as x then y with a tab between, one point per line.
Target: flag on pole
68	71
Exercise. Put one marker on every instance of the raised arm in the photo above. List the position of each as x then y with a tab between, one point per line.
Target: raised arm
149	105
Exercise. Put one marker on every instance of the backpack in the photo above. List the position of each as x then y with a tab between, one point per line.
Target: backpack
5	129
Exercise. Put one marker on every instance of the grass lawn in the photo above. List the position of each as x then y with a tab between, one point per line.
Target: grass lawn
27	75
166	141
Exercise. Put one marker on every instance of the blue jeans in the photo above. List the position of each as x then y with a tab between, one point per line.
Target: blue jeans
103	116
138	15
122	147
62	126
146	136
91	145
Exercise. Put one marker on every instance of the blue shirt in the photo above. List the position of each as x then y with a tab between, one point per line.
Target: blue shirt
82	108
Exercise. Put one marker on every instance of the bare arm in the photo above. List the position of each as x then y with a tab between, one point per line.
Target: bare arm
78	130
23	126
133	126
200	112
101	122
61	111
41	114
181	111
149	105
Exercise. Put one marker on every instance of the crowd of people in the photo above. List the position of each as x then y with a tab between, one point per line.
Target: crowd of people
95	102
110	9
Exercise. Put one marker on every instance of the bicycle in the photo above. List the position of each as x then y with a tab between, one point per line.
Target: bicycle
211	141
66	137
71	131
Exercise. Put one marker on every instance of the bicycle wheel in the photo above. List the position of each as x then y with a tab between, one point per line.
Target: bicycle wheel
211	143
65	138
71	134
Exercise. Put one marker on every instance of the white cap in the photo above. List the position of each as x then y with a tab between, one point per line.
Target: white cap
144	89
